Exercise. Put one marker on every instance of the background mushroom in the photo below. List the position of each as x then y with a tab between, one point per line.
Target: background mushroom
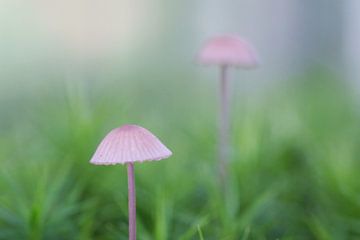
226	51
126	145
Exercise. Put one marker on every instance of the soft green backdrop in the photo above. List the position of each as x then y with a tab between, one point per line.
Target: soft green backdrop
70	72
294	172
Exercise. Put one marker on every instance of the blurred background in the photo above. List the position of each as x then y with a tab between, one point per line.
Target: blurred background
72	70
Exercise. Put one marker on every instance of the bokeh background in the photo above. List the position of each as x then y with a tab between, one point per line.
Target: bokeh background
72	70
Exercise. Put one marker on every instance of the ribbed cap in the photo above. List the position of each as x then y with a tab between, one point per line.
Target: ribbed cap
128	144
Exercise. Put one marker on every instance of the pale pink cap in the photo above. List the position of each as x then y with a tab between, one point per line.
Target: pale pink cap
229	50
128	144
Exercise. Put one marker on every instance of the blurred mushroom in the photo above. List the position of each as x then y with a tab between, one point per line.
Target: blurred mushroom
126	145
226	51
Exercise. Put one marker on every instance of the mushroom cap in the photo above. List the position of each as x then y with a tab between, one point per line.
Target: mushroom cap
229	50
129	144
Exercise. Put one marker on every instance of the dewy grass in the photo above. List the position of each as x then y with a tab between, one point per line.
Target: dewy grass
296	176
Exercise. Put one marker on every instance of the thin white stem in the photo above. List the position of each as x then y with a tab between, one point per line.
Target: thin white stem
132	201
224	126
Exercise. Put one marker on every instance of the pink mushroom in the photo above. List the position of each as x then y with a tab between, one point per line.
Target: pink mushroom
126	145
227	51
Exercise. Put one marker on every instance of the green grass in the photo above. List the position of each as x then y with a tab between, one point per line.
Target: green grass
294	172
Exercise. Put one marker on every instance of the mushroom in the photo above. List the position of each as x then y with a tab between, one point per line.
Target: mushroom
126	145
226	51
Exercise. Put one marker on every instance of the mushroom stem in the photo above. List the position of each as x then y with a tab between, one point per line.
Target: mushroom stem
224	125
132	201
